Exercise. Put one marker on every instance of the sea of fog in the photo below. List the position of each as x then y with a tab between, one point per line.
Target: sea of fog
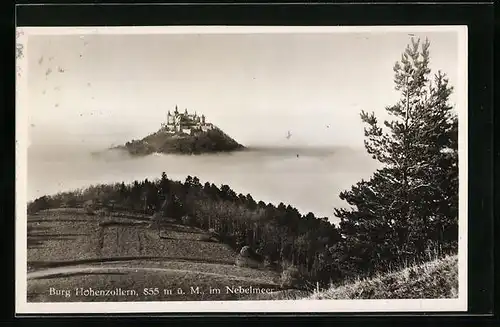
309	179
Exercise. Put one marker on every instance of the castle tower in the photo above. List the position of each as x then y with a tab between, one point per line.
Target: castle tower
176	111
168	117
203	119
186	111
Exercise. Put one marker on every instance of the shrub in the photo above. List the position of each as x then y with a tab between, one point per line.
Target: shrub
187	220
213	234
292	277
88	207
268	263
71	202
39	204
205	238
242	261
246	251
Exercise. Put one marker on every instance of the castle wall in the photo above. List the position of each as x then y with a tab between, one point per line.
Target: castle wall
186	123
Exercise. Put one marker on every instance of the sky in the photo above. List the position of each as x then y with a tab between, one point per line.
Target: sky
256	87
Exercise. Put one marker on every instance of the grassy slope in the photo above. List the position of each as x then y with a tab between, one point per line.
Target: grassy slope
62	240
430	280
60	235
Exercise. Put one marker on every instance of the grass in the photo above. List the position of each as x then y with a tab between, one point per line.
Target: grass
434	279
431	280
69	249
284	295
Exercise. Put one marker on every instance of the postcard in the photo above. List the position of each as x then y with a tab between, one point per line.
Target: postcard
196	169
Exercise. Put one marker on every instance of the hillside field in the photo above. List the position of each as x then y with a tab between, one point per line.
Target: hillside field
69	250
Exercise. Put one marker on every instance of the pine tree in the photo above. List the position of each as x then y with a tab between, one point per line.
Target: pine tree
412	201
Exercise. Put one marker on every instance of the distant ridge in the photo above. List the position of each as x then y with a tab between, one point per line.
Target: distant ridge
302	149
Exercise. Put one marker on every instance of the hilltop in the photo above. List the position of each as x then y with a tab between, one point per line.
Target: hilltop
183	133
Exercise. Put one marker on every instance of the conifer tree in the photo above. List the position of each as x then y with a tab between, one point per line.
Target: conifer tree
411	202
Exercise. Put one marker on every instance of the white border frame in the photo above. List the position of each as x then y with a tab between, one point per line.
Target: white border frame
290	306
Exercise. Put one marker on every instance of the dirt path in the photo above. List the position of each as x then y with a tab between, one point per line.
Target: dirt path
36	265
68	271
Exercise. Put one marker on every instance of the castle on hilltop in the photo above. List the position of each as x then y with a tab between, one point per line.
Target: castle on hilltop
185	123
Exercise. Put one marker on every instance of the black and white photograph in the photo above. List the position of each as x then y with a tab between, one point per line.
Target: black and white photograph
233	169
